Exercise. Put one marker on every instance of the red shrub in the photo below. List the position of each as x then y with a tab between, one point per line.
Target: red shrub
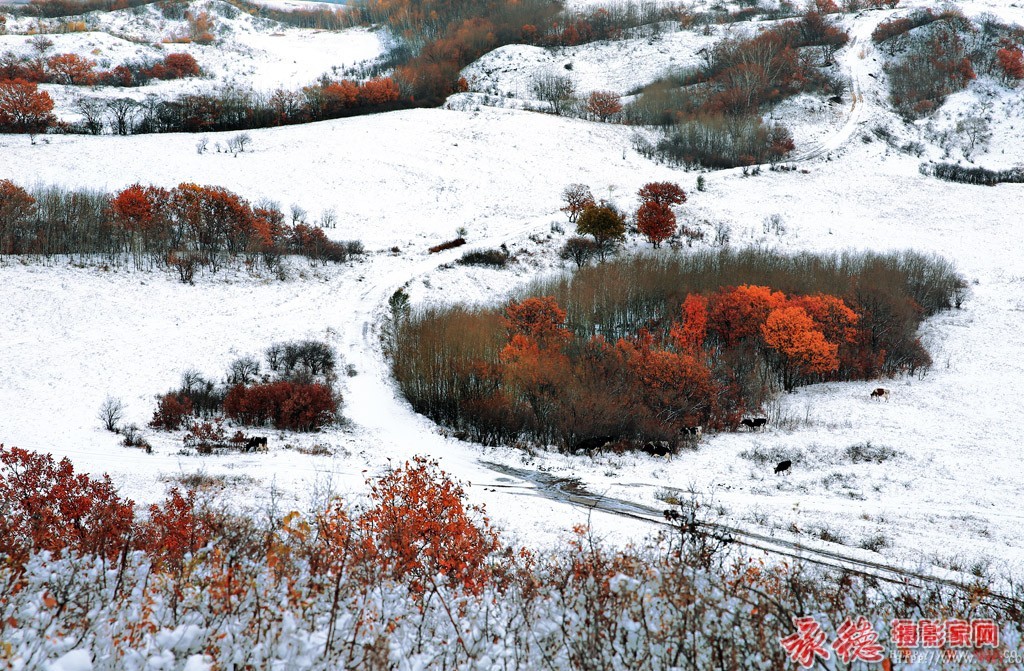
286	405
1011	62
44	505
174	529
171	411
70	69
24	108
179	66
420	526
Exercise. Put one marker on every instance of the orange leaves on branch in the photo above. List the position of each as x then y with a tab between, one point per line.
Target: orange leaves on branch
174	529
688	335
792	333
540	319
737	313
836	321
138	207
378	91
70	69
420	526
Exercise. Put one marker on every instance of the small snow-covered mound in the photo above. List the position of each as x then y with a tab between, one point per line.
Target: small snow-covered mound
620	66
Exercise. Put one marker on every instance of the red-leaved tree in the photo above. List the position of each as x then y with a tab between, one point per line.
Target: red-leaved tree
420	527
1011	62
656	222
24	108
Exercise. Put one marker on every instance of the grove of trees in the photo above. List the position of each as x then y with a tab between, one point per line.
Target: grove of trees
936	53
294	394
638	349
75	70
186	228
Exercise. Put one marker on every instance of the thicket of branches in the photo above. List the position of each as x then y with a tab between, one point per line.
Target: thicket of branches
935	54
953	172
293	392
189	227
641	348
74	70
710	114
414	574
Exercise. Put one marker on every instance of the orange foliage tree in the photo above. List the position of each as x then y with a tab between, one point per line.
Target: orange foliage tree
800	348
24	108
1011	62
420	526
736	314
603	104
16	210
540	319
70	69
688	334
656	222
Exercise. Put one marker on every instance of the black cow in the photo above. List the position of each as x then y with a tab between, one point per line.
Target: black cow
783	466
591	444
754	423
659	448
255	443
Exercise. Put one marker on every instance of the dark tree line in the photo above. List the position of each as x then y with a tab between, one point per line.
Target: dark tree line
186	228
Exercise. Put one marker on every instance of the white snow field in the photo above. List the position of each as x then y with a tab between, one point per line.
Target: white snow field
69	336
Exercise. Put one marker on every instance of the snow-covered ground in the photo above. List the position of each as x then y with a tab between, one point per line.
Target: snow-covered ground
951	497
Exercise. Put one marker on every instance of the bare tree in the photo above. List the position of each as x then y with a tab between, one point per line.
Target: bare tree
556	90
122	113
975	133
238	143
243	370
111	413
41	44
92	111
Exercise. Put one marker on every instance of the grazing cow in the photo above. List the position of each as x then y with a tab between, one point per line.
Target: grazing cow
258	443
754	423
783	466
591	444
659	448
880	393
692	432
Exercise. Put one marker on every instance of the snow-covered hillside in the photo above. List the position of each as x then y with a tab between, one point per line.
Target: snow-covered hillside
247	51
409	179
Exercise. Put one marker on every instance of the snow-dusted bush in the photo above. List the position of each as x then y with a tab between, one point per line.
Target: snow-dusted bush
418	579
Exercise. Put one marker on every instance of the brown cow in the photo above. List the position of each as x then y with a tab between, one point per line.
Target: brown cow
880	393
